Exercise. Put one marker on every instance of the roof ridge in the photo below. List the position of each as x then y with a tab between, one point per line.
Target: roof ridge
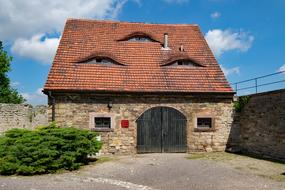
127	22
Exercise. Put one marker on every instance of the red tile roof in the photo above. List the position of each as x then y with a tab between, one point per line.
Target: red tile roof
143	66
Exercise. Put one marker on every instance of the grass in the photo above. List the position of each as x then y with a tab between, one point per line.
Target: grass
277	177
103	159
216	156
267	169
93	161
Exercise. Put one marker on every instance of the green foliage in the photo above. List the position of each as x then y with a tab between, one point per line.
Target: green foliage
45	150
242	101
7	94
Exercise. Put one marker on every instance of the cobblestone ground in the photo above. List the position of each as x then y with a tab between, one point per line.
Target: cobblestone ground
157	171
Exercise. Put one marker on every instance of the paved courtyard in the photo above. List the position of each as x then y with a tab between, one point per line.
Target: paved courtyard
161	171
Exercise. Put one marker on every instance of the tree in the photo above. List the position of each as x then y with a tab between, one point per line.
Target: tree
7	93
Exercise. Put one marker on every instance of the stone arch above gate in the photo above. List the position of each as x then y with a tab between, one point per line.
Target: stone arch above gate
170	107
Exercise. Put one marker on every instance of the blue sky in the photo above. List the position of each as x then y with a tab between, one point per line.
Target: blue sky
247	37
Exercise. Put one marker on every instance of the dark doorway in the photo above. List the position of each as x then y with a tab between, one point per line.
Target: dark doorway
161	129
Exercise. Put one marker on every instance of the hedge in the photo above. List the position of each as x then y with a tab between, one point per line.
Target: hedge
45	150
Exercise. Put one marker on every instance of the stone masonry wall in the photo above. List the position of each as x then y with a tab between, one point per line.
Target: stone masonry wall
78	110
22	116
262	125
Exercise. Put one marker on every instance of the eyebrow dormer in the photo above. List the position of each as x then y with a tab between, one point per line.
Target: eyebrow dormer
181	61
184	62
99	60
138	37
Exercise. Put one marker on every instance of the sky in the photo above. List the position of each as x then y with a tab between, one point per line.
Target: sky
246	36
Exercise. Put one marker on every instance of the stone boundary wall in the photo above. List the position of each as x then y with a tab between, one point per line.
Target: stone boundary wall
22	116
261	130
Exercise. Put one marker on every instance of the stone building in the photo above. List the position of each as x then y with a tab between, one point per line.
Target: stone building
143	87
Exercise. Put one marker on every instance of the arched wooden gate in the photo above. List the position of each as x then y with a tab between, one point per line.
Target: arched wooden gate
161	129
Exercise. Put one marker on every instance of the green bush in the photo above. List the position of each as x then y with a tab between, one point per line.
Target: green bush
45	150
242	101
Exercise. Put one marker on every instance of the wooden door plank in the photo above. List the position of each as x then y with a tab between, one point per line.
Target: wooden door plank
149	131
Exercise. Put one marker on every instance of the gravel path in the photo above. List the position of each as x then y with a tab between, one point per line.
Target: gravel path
147	172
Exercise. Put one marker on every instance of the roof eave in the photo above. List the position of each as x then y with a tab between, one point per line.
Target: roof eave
226	93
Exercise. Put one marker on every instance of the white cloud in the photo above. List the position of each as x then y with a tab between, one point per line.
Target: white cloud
282	68
24	19
15	84
221	41
229	71
39	47
176	1
28	23
35	98
215	15
117	9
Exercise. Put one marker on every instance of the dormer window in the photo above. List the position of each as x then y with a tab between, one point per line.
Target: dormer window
182	62
100	61
140	39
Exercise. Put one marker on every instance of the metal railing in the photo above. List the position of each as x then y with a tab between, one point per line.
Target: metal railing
256	80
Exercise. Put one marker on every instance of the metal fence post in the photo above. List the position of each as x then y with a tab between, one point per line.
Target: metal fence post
255	85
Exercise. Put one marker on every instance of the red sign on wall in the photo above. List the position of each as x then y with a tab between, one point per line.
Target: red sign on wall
125	123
